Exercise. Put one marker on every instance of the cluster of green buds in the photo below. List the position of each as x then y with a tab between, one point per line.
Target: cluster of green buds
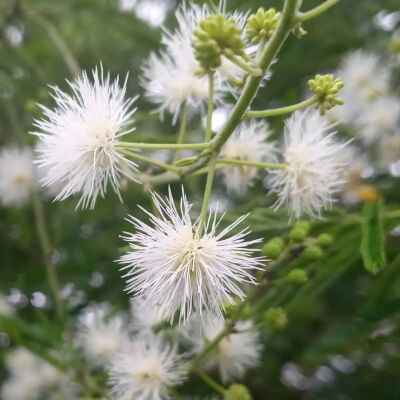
261	25
217	36
326	89
276	319
237	392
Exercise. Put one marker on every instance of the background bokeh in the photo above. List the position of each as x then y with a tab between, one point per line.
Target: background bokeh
343	340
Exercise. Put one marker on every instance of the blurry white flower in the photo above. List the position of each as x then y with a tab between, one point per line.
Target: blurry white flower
101	336
17	176
382	117
356	163
389	149
364	73
79	138
146	370
32	379
19	360
6	308
247	143
176	269
234	354
22	387
171	78
313	171
143	316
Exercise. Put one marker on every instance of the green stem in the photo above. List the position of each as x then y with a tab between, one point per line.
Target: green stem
207	193
204	170
317	10
148	160
212	6
207	379
164	146
210	105
182	129
14	120
250	163
282	110
254	71
261	47
55	37
209	347
47	250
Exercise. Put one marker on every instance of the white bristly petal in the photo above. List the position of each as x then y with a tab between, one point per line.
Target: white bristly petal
234	355
175	269
99	337
146	370
247	143
17	176
313	170
79	138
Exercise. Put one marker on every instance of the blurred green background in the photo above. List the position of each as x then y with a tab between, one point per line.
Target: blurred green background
343	342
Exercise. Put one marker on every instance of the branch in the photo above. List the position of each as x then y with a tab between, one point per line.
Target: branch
282	110
317	10
56	38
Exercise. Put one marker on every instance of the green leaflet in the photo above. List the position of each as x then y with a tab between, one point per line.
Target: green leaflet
373	239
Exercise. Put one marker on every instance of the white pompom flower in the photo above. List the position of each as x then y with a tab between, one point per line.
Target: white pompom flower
247	143
172	77
17	176
79	138
146	370
313	170
234	355
364	74
382	117
99	336
177	269
6	308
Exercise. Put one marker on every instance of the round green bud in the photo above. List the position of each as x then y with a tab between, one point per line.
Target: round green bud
273	248
324	240
297	276
237	392
31	106
230	308
303	225
313	253
215	36
326	89
298	234
262	24
276	318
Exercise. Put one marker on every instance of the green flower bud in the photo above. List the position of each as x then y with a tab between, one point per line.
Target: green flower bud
326	88
273	248
216	35
276	318
262	24
324	240
297	276
298	234
31	106
237	392
313	253
305	225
